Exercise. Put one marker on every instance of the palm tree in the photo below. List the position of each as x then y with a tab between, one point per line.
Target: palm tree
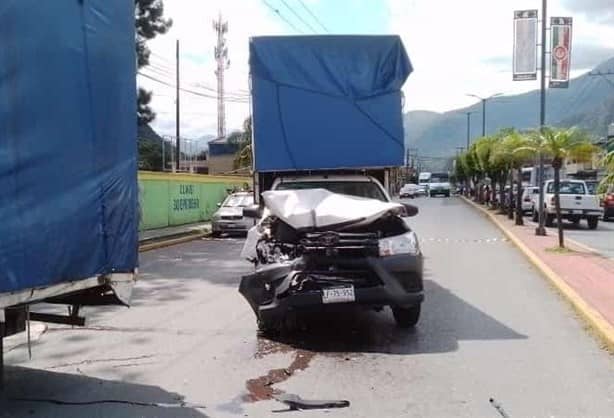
517	146
559	145
608	163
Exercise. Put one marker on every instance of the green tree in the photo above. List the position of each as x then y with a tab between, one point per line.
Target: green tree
608	180
150	22
243	157
559	145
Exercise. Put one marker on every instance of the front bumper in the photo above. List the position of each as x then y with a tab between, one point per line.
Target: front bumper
576	212
439	191
230	225
400	284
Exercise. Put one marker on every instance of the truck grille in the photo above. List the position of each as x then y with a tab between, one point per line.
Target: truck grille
340	244
231	217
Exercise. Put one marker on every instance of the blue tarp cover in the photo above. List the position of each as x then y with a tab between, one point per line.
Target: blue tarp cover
68	187
322	102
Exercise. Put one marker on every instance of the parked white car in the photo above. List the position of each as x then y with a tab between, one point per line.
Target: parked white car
576	203
229	217
527	199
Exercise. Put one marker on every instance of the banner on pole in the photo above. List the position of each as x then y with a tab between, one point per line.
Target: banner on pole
525	45
560	51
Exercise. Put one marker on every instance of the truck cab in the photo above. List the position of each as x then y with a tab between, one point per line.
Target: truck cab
575	200
350	184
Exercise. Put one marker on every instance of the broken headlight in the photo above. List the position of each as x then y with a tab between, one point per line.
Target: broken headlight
401	244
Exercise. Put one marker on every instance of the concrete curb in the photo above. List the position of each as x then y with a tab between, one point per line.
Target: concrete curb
148	246
602	328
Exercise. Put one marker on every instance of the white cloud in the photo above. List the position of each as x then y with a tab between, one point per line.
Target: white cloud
192	25
455	45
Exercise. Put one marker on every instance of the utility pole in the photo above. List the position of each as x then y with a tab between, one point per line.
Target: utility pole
484	99
469	128
221	57
177	120
541	230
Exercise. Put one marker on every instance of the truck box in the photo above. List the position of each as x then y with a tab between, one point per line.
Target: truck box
327	102
68	207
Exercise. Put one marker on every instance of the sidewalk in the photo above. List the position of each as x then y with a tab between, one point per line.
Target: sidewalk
586	279
174	231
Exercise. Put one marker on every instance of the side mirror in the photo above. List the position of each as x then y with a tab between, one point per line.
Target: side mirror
253	211
410	210
219	204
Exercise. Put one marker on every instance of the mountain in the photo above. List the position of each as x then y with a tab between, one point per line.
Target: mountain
588	103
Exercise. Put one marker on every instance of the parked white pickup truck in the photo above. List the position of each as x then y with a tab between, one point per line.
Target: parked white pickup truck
576	203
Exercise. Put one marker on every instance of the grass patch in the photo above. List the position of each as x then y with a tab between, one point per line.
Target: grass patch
559	250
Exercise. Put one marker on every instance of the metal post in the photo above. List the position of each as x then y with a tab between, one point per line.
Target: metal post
541	230
2	328
177	120
483	117
163	159
468	129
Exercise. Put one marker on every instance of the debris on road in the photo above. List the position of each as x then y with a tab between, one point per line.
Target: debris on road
498	407
261	388
296	403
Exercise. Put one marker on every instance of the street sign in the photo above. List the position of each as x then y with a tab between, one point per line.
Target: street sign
525	45
560	51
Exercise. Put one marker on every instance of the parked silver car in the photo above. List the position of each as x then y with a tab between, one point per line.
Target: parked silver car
229	217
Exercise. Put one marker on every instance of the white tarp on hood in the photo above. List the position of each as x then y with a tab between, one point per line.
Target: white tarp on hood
317	208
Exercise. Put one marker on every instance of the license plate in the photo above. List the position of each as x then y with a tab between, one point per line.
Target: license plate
578	212
338	294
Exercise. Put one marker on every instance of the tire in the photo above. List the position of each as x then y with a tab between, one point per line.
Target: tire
268	328
535	216
549	220
592	221
576	221
406	317
447	194
216	234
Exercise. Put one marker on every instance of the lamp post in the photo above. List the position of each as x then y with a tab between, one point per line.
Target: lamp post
468	127
484	99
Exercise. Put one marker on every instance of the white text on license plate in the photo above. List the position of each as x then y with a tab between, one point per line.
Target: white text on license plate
338	295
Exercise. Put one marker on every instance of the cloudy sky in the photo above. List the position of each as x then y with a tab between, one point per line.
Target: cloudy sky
456	47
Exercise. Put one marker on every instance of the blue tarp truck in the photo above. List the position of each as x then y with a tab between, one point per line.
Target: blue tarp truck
68	201
327	134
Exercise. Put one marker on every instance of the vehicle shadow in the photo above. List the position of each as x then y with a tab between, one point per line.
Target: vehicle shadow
51	388
446	319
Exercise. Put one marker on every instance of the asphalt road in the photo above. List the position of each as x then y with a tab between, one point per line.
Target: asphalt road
491	328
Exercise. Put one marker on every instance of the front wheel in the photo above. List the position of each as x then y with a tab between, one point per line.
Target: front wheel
592	221
549	220
406	317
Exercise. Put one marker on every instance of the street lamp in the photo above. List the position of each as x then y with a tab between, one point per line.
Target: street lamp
484	99
468	127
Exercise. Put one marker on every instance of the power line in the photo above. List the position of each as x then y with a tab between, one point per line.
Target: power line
196	93
196	85
282	17
313	16
299	17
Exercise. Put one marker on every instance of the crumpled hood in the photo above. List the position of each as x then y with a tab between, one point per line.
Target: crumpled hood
319	208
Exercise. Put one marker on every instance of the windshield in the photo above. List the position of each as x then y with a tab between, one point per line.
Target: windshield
439	179
234	201
568	187
353	188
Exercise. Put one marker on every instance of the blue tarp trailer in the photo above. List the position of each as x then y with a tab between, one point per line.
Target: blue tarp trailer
68	201
327	102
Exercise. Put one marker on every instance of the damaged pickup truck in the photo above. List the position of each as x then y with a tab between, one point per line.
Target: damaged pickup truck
314	247
327	135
